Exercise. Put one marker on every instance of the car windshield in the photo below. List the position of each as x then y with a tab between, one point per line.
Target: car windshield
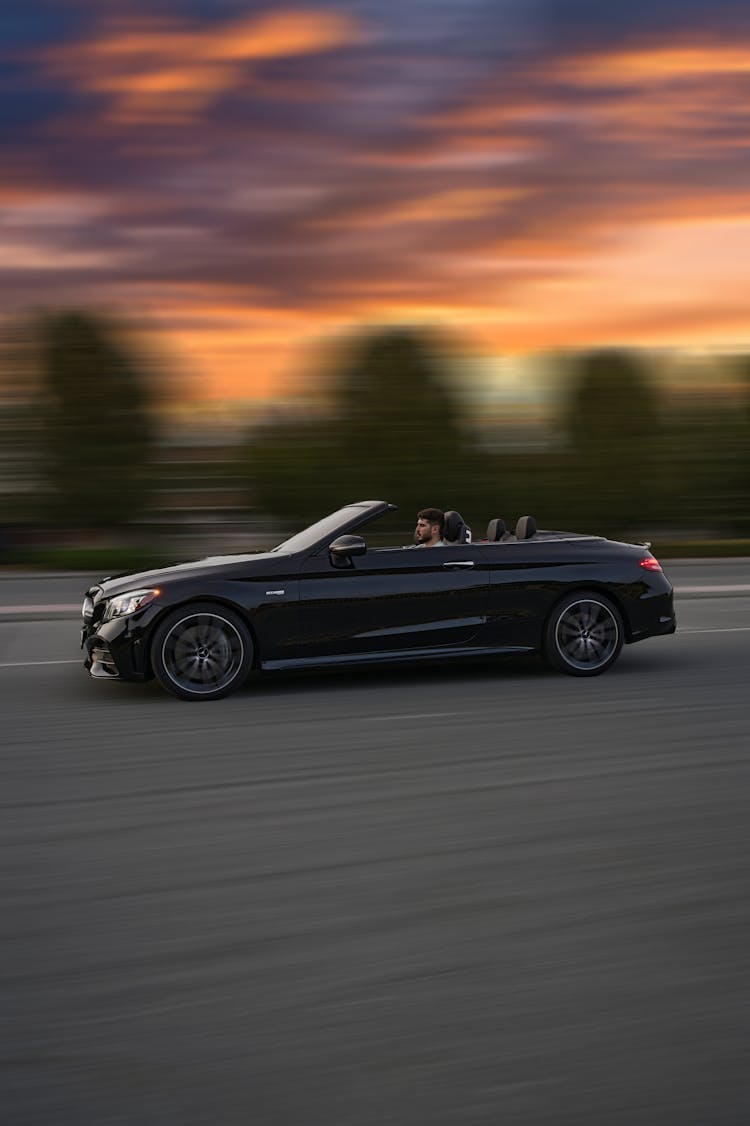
320	529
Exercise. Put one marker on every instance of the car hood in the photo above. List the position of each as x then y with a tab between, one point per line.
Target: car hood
215	566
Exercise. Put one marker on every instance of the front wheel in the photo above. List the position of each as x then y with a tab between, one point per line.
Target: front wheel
201	652
584	634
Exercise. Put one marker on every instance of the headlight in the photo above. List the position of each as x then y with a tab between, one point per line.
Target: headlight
128	603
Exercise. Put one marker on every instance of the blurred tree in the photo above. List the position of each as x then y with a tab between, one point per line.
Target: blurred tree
703	453
394	433
19	426
400	431
612	428
737	452
96	432
743	475
700	470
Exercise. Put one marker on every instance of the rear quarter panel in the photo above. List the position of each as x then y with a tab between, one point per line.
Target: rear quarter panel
527	579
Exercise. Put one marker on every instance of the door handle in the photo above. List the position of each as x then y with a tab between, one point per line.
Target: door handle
459	563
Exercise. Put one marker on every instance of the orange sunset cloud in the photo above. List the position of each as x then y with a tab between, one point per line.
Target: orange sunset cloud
166	69
247	187
657	63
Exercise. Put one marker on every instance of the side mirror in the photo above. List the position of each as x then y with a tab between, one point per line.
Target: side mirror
342	550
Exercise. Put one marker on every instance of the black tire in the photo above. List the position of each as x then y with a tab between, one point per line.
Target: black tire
584	634
201	652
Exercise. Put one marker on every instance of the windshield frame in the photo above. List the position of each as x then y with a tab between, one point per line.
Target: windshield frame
337	523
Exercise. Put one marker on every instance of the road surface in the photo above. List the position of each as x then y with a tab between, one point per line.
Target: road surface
486	895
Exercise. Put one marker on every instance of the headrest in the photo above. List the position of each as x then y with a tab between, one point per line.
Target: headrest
525	528
455	530
496	529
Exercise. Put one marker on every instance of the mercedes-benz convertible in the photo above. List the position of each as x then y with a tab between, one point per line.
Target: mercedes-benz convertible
328	597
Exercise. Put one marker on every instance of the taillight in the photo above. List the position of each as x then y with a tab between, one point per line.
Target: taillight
650	564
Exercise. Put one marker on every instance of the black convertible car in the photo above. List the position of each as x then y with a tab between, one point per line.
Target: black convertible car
324	597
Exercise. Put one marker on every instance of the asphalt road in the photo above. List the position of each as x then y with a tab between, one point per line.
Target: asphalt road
486	895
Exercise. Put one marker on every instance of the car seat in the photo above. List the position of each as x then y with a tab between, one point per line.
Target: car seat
496	529
455	529
525	528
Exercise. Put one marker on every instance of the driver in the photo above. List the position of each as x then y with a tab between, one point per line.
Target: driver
429	529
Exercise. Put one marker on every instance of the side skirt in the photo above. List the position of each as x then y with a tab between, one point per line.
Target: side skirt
393	656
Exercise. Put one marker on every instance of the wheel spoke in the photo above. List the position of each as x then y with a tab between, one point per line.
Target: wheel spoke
587	634
203	653
586	616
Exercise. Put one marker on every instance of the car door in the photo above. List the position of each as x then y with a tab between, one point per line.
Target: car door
392	599
526	579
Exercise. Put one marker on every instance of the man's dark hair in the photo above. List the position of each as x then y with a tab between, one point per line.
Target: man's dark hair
433	516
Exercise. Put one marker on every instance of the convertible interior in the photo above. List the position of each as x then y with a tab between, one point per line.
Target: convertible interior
457	531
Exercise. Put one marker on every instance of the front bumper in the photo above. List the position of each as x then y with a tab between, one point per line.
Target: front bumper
99	661
116	650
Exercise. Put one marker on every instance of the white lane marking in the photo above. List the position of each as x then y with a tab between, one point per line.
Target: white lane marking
33	664
739	588
723	629
418	715
63	607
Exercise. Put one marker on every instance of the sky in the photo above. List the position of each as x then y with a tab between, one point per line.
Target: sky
248	181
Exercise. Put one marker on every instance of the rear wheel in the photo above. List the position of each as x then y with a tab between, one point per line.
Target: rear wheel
201	652
584	634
